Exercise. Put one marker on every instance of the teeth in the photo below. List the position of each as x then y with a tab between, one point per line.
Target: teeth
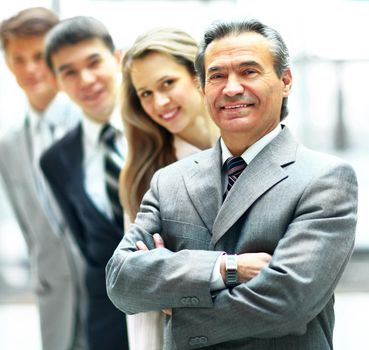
236	106
169	114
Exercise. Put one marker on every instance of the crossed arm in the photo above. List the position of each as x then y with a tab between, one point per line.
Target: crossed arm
248	264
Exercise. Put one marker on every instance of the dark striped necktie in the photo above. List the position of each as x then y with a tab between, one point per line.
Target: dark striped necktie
234	166
113	162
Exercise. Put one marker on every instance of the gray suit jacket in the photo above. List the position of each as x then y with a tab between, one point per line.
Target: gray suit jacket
298	205
55	261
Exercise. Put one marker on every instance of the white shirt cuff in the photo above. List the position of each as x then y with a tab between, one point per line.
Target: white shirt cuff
216	280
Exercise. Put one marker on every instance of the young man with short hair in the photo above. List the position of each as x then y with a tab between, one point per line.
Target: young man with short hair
56	264
82	168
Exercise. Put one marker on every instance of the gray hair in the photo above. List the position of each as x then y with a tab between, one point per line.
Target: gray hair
221	29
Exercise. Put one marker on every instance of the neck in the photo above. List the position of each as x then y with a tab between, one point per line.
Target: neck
239	143
202	133
40	103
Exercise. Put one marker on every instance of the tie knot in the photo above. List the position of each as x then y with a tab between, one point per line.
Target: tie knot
235	165
107	135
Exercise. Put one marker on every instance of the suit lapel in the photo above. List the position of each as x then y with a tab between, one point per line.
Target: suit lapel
73	158
203	184
25	149
265	171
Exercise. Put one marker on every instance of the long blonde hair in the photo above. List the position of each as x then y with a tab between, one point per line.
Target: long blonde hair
150	146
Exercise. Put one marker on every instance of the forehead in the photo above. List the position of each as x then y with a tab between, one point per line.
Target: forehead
23	45
75	53
249	46
153	67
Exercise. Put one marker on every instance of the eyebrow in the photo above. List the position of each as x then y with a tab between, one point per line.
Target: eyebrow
241	65
165	77
66	66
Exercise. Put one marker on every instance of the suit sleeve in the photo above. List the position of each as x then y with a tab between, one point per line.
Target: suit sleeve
300	280
69	213
132	274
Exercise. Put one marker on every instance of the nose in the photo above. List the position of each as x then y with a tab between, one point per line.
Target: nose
86	77
233	86
161	99
31	67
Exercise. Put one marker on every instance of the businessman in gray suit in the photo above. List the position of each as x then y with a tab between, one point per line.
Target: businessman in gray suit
254	233
56	264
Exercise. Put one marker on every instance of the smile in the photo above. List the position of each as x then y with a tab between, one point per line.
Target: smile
244	105
92	95
170	114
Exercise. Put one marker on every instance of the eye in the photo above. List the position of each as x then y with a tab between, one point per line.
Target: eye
215	77
168	82
39	57
249	72
18	60
94	63
145	94
69	73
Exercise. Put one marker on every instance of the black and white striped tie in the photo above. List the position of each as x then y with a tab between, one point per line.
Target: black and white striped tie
113	162
235	166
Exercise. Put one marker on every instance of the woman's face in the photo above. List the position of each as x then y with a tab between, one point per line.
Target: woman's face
167	92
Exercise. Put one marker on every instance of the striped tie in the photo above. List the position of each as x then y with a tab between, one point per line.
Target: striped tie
113	161
235	166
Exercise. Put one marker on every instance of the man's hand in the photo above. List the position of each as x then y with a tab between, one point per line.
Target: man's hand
248	265
159	243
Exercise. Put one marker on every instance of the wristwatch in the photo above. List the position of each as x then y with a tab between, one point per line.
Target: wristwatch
231	270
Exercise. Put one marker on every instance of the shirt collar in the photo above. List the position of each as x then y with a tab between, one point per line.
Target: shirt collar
51	115
254	149
92	129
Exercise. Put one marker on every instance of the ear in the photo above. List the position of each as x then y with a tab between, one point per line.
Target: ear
8	62
119	54
287	82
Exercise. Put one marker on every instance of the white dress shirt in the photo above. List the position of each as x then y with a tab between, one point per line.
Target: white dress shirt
45	128
93	160
48	126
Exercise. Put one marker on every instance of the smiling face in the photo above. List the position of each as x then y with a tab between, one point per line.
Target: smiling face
87	72
167	91
24	57
242	90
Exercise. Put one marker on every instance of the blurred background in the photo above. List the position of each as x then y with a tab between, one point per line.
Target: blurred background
329	111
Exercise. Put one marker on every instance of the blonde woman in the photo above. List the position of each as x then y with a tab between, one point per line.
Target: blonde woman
165	120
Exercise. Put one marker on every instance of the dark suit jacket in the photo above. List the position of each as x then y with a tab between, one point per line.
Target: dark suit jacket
95	233
296	204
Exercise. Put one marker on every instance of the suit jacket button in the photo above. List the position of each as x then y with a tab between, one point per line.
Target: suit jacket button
193	341
203	340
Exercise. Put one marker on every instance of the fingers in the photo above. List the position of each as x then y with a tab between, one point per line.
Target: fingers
141	246
158	241
167	311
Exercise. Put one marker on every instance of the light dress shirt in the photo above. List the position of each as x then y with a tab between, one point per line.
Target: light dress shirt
216	281
45	128
93	160
48	126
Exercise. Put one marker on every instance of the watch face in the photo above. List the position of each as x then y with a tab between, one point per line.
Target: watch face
231	270
231	262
